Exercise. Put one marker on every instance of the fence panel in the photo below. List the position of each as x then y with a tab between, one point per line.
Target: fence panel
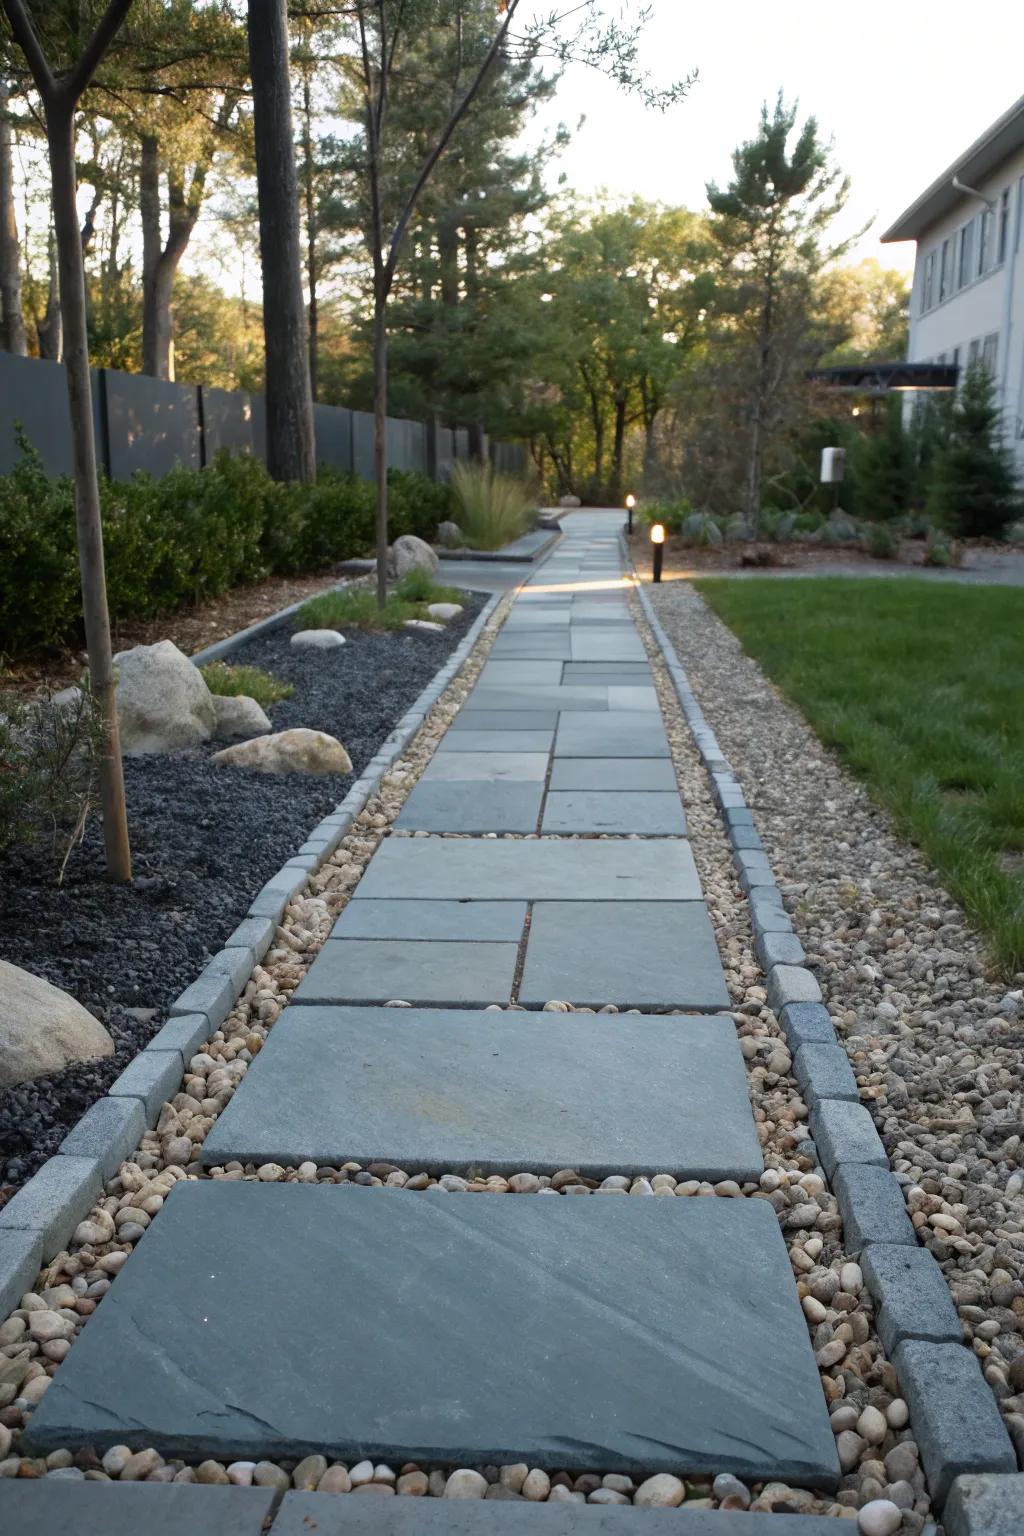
151	424
227	421
34	396
333	426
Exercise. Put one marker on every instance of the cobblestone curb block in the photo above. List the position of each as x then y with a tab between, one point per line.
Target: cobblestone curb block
955	1418
989	1504
110	1129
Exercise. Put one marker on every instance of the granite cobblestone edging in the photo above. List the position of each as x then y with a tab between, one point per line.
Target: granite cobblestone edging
957	1423
40	1218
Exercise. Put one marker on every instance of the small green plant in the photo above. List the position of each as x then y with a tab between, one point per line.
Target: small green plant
973	491
418	586
492	508
50	752
881	542
355	608
252	682
940	550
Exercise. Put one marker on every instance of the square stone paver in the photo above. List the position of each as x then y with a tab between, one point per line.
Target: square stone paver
597	644
490	767
613	773
473	806
492	921
543	870
425	971
645	1345
636	954
622	734
443	1090
651	812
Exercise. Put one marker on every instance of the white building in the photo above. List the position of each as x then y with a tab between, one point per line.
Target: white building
967	301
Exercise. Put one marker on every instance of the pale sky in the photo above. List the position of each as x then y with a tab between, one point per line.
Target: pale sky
902	86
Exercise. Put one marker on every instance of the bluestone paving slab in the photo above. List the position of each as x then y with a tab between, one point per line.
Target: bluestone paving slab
519	673
531	870
636	773
632	698
912	1299
957	1424
493	767
405	1356
619	734
872	1207
110	1130
388	919
43	1507
53	1201
425	971
650	812
596	645
490	740
578	698
635	954
548	647
473	806
985	1504
505	720
338	1083
605	671
303	1514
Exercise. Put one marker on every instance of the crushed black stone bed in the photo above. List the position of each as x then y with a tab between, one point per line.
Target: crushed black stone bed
204	840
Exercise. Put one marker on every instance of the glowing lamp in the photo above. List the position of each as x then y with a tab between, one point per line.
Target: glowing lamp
658	546
630	504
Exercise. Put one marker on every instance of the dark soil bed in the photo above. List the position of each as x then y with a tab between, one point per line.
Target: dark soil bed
204	840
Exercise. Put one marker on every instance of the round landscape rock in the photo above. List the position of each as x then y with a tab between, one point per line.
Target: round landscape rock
238	716
426	625
317	639
444	611
163	704
297	751
409	553
42	1029
449	535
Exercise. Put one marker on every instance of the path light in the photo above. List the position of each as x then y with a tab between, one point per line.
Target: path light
658	540
630	504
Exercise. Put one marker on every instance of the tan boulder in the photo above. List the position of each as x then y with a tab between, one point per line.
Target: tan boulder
295	751
42	1029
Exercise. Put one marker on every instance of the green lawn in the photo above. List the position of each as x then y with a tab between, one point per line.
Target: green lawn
920	689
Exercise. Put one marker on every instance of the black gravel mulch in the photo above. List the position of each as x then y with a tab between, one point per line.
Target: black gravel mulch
204	840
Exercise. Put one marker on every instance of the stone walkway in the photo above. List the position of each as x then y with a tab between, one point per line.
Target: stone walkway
268	1320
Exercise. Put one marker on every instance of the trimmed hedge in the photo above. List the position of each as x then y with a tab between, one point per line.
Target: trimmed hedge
190	535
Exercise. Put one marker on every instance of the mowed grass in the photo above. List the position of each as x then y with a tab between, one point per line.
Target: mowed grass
920	689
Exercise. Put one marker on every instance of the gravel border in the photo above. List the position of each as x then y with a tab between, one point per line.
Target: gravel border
956	1421
41	1217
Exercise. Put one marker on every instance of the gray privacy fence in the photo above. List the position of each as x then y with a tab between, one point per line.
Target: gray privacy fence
149	424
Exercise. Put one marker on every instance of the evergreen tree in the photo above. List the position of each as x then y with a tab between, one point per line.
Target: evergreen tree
882	466
973	490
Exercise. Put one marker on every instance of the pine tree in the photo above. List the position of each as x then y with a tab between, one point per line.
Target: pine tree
882	467
973	490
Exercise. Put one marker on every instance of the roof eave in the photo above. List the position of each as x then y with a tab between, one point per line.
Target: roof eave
998	142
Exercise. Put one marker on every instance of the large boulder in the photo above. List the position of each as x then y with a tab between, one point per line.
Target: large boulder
42	1029
449	536
163	704
701	529
569	502
295	751
409	553
739	528
238	716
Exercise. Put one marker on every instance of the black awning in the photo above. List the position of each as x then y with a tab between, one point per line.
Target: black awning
880	378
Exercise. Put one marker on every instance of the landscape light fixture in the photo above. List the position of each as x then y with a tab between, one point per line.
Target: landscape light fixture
658	541
630	504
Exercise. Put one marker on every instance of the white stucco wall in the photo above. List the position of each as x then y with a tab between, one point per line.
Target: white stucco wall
990	304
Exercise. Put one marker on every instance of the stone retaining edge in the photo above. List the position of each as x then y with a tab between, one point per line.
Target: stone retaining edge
847	1143
36	1224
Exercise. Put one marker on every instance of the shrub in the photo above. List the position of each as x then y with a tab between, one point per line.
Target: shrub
493	508
39	581
881	466
973	490
49	769
252	682
940	550
670	512
881	542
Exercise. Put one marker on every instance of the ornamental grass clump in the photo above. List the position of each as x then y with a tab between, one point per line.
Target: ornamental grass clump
245	682
492	508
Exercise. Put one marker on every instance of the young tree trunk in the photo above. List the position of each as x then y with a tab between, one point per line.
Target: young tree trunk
312	231
149	213
380	438
61	139
291	451
48	328
618	447
12	319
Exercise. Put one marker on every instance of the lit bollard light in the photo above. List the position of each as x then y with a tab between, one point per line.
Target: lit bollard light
658	543
630	504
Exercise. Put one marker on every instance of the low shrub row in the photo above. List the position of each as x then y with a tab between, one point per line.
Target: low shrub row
188	536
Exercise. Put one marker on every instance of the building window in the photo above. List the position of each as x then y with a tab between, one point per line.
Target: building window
929	282
972	352
945	272
1020	214
1004	225
984	242
990	353
966	253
